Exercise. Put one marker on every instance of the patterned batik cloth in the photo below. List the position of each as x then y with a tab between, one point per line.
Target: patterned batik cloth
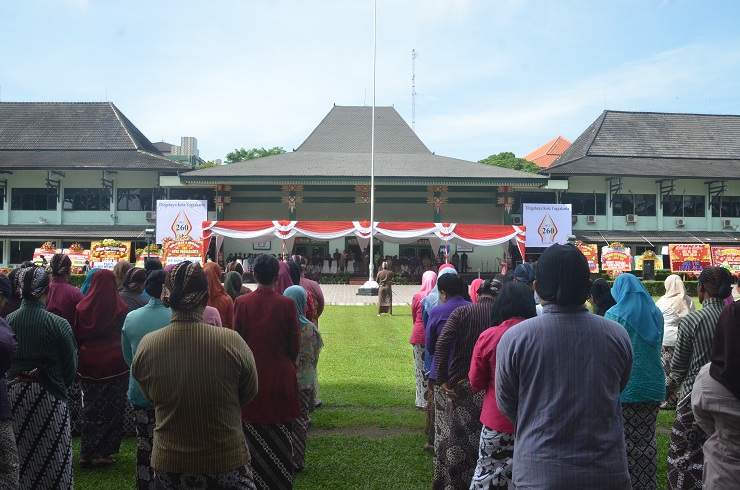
422	382
440	423
671	387
103	408
495	461
271	449
8	456
642	447
145	421
460	439
429	427
300	427
238	479
686	453
74	405
41	426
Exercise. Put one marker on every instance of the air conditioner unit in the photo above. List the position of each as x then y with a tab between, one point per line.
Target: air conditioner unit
516	219
726	223
574	219
680	223
151	216
631	218
591	219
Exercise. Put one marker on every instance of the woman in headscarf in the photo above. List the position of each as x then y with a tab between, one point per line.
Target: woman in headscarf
295	276
473	289
14	302
120	270
44	367
284	281
600	297
217	296
88	280
102	371
132	287
8	348
233	285
458	445
308	359
452	294
63	297
385	290
715	400
428	281
636	312
674	305
692	351
494	469
149	318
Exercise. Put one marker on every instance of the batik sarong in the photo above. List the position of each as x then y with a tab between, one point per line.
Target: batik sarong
422	382
300	427
145	421
74	405
642	447
103	407
8	456
42	433
440	424
671	387
686	453
238	479
271	448
495	461
457	449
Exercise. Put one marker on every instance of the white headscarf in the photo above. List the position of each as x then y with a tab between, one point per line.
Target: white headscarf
675	297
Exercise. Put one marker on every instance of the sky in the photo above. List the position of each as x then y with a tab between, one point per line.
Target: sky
490	75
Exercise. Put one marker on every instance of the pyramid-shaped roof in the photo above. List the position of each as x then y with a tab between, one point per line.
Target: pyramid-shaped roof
339	150
650	144
58	135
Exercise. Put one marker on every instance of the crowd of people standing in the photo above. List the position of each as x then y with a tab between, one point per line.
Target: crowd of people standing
524	386
146	342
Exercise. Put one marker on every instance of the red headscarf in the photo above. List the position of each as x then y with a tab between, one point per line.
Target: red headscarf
101	305
284	279
217	295
474	289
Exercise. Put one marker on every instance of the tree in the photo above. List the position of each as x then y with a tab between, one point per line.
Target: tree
241	154
207	164
507	159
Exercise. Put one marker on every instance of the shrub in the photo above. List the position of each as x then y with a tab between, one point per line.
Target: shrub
77	279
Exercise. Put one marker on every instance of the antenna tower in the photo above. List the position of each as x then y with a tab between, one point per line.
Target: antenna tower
414	54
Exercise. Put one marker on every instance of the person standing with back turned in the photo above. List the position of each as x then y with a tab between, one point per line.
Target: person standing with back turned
559	378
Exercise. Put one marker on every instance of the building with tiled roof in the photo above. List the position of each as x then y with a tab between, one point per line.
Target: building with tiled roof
75	172
649	179
549	152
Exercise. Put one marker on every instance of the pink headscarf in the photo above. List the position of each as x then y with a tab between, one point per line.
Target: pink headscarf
284	280
443	267
474	289
428	281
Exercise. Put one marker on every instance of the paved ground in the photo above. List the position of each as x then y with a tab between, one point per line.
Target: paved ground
337	294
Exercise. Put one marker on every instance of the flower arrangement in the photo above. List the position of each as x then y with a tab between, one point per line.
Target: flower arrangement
649	255
76	248
49	247
151	249
616	245
109	242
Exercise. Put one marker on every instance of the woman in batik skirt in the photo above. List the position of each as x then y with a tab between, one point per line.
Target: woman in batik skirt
268	322
102	371
308	358
496	447
636	312
43	369
385	290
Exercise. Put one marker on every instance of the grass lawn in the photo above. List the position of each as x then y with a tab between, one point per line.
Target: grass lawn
367	434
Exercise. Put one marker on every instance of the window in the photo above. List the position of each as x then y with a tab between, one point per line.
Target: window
86	200
640	204
586	203
728	206
33	199
2	199
20	251
680	205
532	198
196	193
139	199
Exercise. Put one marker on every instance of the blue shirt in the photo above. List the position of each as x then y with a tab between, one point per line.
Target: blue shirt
149	318
437	318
